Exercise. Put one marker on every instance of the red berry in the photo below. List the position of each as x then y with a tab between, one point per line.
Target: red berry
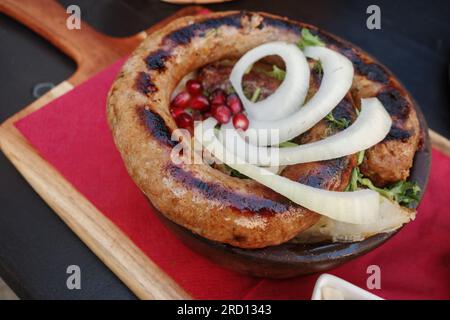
234	103
240	121
199	102
185	121
176	111
222	114
181	100
194	87
218	97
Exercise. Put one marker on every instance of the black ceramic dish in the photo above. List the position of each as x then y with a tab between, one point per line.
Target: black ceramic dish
292	259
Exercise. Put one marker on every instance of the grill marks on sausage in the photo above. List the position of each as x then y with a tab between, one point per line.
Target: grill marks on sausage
157	60
144	84
215	191
399	109
396	105
397	133
327	174
372	71
156	126
184	35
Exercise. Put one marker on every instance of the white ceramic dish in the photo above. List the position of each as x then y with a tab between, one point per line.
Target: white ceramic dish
329	287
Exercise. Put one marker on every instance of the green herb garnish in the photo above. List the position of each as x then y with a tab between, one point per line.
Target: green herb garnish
318	67
287	144
341	123
230	90
234	173
308	39
276	73
405	193
354	178
256	95
361	157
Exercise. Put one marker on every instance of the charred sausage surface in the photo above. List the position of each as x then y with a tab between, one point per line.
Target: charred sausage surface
209	202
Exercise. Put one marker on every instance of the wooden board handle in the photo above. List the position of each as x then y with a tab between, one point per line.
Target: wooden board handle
48	19
91	50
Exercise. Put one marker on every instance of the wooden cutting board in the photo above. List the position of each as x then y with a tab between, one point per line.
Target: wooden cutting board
48	19
135	269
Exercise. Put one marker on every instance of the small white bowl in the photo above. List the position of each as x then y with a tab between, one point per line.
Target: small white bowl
329	287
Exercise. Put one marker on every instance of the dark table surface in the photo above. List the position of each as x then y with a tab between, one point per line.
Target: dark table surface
36	246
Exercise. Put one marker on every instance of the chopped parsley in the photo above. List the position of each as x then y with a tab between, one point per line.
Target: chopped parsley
230	90
287	144
318	67
234	173
360	157
276	73
341	123
308	39
256	95
405	193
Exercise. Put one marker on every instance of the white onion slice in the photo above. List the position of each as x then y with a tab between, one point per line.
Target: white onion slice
291	93
371	127
392	217
359	207
337	80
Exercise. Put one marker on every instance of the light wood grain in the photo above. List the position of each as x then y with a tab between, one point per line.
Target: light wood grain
133	267
92	52
440	142
6	293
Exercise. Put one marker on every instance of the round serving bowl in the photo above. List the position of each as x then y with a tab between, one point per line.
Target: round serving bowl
292	259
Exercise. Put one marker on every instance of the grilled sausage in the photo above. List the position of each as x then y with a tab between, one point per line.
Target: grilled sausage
236	211
390	160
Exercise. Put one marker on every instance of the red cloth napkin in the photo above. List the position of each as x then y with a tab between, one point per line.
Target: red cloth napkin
71	133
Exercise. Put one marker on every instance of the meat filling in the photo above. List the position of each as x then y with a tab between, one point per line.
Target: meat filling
331	174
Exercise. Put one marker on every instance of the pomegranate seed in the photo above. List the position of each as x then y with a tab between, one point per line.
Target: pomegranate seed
194	87
176	111
185	121
199	102
222	113
240	121
218	97
234	103
181	100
